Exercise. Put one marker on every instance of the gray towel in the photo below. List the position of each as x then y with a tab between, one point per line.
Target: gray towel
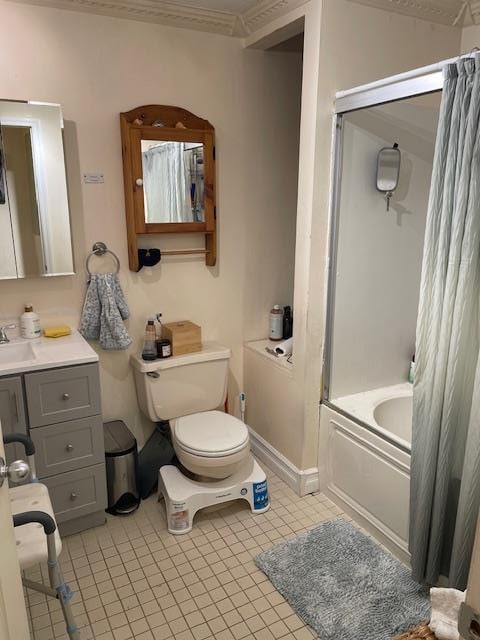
104	311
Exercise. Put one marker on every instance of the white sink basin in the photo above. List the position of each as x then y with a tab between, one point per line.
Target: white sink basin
15	352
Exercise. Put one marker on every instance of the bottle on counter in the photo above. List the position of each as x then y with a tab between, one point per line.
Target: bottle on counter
276	323
163	345
164	348
287	322
149	351
30	323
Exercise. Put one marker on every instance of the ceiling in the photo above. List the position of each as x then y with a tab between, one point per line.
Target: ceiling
448	12
243	17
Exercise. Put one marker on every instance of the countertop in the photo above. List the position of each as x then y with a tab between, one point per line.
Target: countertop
48	353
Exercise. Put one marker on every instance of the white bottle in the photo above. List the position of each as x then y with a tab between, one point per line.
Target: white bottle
276	323
30	323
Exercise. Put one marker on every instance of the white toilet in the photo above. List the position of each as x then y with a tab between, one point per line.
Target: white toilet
212	445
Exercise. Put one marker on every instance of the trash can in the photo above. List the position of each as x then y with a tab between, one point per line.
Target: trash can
121	461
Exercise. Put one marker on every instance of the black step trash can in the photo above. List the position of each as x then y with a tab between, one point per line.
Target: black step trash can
121	460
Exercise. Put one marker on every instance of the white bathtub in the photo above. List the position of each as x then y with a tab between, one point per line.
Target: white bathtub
394	417
364	459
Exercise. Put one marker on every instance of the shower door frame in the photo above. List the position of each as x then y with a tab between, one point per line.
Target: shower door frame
410	85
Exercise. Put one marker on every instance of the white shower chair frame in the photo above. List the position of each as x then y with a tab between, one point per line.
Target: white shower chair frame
58	588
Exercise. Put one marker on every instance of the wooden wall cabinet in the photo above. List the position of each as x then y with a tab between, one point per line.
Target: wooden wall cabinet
153	128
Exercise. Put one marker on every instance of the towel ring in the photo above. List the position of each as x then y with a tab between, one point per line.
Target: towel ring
100	249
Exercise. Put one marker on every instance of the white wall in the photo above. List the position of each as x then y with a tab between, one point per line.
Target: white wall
470	38
96	67
269	266
380	253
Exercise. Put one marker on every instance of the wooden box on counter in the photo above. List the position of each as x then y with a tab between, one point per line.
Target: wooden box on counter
185	336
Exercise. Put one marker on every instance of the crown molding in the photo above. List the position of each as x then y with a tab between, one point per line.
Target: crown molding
180	14
264	11
186	16
439	11
157	11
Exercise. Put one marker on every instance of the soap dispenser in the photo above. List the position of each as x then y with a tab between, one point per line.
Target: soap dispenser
30	323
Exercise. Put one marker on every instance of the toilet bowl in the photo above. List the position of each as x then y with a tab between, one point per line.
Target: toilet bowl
211	443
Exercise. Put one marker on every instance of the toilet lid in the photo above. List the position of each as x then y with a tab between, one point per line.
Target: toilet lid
211	433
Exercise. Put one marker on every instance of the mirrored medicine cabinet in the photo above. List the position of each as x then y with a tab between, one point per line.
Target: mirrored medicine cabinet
35	234
169	177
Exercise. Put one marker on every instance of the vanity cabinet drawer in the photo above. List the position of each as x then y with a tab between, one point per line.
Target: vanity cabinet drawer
62	394
77	493
68	445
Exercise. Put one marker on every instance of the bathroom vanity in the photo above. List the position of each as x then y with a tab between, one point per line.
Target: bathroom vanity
50	390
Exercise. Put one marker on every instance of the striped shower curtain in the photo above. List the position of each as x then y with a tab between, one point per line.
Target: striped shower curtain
445	482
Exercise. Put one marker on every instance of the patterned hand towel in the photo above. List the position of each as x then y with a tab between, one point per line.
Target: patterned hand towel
104	311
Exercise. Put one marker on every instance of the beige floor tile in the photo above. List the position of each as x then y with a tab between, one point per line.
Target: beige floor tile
162	633
134	580
123	633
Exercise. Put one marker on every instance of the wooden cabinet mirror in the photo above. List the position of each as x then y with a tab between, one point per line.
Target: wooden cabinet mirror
169	176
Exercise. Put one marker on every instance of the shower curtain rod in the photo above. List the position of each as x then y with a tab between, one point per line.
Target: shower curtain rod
407	75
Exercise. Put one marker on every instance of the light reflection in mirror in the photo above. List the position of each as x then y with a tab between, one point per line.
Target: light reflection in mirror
173	181
35	237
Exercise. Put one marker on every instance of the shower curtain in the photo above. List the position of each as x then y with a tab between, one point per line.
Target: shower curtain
166	184
445	471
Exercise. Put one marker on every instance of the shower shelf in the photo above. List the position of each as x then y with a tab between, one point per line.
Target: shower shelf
258	346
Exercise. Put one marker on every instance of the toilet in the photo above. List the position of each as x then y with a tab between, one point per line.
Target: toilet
213	447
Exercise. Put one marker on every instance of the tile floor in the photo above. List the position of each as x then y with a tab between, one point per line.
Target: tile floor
134	580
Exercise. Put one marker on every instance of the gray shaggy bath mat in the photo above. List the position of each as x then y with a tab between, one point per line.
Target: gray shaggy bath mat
344	585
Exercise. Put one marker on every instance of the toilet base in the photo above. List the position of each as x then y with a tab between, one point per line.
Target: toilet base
184	497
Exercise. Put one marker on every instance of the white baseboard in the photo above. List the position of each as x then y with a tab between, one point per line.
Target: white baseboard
301	481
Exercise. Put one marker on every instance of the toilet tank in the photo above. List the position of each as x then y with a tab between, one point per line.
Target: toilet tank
180	385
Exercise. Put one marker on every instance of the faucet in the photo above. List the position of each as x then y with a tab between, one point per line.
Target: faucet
3	333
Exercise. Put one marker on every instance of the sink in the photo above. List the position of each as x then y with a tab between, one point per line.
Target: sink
22	355
15	352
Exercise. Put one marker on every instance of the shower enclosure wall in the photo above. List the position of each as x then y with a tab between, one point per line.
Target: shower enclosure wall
375	268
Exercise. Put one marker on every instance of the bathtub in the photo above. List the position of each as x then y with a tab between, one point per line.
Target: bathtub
364	460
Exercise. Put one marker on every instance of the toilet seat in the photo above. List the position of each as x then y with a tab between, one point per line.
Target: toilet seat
210	434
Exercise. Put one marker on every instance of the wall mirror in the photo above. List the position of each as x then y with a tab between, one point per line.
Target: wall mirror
35	235
388	171
169	175
173	181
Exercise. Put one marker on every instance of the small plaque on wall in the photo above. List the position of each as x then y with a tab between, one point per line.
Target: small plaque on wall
93	178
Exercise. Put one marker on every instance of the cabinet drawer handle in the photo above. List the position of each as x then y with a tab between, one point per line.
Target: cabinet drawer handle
69	447
73	495
66	396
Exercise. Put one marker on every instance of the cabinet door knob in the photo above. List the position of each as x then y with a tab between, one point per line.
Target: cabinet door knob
69	447
66	396
139	182
73	496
